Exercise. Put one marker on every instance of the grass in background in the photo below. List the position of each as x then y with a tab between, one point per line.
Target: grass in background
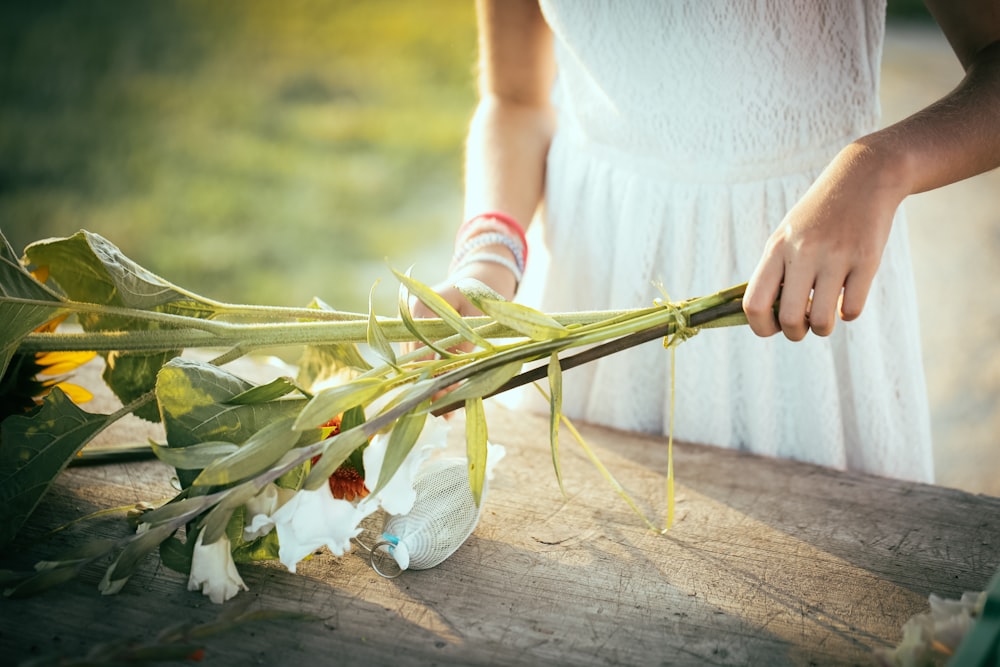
251	151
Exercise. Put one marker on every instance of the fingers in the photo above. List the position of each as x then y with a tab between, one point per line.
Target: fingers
758	300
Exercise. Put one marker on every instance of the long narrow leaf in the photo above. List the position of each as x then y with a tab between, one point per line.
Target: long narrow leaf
376	337
442	309
339	450
411	325
555	414
482	384
330	403
263	449
401	440
534	324
476	437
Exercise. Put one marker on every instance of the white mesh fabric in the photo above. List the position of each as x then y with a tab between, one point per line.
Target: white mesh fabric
443	516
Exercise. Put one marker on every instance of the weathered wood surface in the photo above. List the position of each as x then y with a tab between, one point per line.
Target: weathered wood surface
770	562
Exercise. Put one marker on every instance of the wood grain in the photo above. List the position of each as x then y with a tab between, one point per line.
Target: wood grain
771	562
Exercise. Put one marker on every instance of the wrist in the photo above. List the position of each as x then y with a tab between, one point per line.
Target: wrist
493	239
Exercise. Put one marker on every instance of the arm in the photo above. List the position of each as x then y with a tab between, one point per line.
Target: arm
825	253
509	135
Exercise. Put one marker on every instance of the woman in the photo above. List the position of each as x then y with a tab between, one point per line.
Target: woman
673	142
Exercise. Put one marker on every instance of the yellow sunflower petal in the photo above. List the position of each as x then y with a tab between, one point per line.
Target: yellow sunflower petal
56	363
76	393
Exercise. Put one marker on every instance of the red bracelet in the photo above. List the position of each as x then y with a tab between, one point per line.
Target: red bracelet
504	219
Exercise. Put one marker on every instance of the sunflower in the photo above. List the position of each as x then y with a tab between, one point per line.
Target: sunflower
30	377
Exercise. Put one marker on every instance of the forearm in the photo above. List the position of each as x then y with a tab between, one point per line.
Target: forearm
955	138
505	158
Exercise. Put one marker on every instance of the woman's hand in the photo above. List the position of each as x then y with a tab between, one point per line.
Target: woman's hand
823	256
495	276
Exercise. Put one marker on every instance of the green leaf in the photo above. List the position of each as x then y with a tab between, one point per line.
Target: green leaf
322	362
442	309
177	555
193	398
482	384
376	337
411	325
555	414
194	457
44	580
476	437
258	453
128	560
476	291
339	449
134	375
532	323
331	402
261	548
91	269
18	319
271	391
401	440
36	448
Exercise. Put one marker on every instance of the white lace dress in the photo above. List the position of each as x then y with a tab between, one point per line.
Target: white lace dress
686	131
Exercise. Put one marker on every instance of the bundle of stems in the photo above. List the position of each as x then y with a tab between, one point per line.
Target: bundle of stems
131	313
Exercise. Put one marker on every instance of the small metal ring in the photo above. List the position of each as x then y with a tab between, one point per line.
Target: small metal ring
384	554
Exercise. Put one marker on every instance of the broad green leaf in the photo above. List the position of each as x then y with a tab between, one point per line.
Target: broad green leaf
134	375
194	457
331	402
271	391
476	437
555	414
193	400
258	453
337	452
481	384
264	547
17	318
442	309
376	337
401	440
411	325
176	554
36	448
532	323
89	268
323	362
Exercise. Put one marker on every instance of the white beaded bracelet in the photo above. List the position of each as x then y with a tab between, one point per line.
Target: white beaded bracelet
491	238
492	258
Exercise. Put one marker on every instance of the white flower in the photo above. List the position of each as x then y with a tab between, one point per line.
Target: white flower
398	495
261	507
213	570
309	520
312	519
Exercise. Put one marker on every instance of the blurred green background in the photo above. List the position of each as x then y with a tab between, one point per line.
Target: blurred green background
252	150
249	150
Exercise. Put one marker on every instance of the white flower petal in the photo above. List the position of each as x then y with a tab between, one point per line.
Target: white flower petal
261	507
397	496
214	572
312	519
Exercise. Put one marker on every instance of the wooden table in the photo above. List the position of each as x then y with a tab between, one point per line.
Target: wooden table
770	562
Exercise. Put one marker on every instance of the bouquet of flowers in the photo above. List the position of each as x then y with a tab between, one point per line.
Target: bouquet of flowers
277	470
